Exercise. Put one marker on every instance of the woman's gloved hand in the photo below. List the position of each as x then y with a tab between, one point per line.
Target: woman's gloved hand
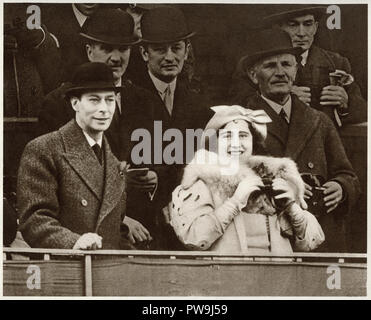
245	188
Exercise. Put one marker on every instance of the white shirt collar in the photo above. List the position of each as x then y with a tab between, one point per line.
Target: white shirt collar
81	18
304	58
161	85
277	107
91	141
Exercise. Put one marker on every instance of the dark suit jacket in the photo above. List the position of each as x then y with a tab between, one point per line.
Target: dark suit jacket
190	111
58	196
314	144
314	75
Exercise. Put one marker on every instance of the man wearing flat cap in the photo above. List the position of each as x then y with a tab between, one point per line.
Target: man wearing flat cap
324	80
71	188
164	48
304	134
108	37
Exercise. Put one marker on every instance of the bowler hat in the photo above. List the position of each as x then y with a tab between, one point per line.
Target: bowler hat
164	24
111	26
92	76
266	43
287	11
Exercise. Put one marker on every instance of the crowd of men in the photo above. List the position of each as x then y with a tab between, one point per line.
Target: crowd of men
112	71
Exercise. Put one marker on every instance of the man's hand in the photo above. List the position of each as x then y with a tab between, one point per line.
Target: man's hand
334	95
333	195
303	93
144	180
88	241
137	232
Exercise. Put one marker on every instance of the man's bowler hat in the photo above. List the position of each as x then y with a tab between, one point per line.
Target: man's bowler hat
285	12
163	25
111	26
266	43
92	76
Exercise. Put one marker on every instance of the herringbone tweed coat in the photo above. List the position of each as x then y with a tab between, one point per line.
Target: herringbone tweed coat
58	191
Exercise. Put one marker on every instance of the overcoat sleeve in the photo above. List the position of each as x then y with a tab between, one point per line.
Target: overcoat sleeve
357	105
37	199
196	221
338	165
308	234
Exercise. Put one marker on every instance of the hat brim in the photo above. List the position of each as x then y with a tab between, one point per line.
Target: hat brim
94	87
319	11
128	42
249	60
183	37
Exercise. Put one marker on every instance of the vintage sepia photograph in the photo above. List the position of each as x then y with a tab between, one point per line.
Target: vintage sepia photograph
184	150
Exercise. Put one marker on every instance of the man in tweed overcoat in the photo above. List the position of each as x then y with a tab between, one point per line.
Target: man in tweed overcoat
71	188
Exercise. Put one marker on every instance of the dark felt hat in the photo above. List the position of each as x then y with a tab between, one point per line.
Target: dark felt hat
284	12
94	76
111	26
164	24
266	43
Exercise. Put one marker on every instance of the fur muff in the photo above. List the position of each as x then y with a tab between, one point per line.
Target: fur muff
206	167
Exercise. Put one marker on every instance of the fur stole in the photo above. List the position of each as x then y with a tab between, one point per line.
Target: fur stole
206	167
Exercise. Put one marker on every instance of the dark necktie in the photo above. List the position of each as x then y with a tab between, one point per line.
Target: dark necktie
98	152
284	116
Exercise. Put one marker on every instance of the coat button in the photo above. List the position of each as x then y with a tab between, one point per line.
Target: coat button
84	202
310	165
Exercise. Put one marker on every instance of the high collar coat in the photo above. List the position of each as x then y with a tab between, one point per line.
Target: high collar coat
314	144
61	195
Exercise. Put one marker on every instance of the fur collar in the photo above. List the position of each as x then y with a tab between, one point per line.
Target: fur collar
206	167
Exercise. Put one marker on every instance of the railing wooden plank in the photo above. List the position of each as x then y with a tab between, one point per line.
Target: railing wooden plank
188	254
88	276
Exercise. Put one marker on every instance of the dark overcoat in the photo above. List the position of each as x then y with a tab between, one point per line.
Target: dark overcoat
315	75
190	111
58	194
314	144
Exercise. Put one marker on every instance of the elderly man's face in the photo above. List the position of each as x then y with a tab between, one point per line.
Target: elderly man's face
116	57
165	60
275	76
301	30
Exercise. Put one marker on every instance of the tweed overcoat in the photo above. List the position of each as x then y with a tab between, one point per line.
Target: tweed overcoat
314	144
58	196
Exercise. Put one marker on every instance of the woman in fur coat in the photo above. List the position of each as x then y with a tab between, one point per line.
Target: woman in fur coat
236	200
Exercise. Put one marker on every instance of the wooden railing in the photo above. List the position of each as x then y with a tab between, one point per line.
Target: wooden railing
184	273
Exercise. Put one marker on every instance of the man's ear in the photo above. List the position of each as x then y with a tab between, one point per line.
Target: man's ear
316	27
251	72
144	53
74	102
187	49
89	50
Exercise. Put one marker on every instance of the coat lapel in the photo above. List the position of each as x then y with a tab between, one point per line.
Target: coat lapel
303	123
114	183
80	155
